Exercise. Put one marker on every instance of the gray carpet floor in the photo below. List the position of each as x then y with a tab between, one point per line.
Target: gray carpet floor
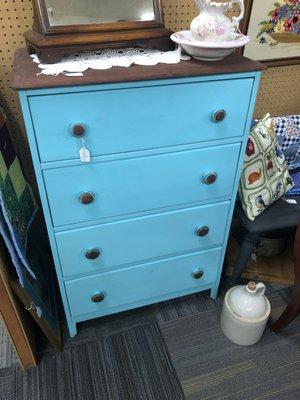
7	355
170	351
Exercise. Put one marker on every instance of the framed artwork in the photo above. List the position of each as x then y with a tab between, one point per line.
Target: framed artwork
274	29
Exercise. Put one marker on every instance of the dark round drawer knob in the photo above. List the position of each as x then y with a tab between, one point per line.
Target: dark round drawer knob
86	198
78	130
92	254
198	274
203	231
210	178
98	298
219	115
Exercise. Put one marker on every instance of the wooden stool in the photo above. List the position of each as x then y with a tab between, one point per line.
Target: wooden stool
293	308
280	215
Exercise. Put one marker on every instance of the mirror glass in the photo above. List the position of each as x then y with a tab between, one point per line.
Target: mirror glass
77	12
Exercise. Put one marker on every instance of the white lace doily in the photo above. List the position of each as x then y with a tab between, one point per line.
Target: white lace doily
108	58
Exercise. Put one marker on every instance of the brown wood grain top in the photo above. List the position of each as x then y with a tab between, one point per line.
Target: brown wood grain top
25	72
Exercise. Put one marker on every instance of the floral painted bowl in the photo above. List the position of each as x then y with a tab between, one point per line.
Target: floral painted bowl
208	51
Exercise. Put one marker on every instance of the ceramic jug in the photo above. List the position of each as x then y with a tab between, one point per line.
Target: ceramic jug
245	313
211	25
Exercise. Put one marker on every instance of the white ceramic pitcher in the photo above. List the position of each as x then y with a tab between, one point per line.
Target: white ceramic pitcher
211	25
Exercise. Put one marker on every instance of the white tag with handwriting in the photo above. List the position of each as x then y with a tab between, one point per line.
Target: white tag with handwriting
84	155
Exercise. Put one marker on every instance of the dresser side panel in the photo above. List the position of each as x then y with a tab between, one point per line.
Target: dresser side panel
43	196
248	123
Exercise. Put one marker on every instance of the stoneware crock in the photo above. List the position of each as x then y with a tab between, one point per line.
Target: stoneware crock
245	313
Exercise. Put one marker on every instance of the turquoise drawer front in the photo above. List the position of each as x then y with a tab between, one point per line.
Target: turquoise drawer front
139	184
143	282
139	118
138	239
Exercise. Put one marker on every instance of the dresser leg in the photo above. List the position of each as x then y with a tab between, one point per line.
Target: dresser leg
72	329
214	293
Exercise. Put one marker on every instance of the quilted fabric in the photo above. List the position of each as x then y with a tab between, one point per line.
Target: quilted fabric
287	129
265	177
17	204
295	175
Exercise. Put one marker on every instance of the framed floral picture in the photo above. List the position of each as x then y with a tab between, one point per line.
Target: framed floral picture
274	29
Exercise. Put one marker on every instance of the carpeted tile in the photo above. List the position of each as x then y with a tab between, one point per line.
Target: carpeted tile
131	365
8	356
7	383
124	357
285	293
139	366
186	306
278	286
65	376
101	327
194	304
210	366
118	323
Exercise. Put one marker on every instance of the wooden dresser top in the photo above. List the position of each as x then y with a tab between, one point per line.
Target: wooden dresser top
25	72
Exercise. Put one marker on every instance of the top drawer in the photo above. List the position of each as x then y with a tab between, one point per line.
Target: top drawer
131	119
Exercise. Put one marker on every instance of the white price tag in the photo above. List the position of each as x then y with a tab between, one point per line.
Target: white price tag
291	201
253	257
38	312
85	155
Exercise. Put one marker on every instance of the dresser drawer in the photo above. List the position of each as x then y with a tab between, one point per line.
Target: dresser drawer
142	283
135	185
139	118
138	239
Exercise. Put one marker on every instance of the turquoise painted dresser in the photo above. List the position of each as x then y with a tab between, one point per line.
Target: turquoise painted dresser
148	218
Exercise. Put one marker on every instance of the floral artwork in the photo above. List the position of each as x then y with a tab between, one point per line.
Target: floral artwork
283	25
274	29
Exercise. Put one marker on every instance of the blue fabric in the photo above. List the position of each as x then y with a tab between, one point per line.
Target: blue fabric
17	205
287	128
295	175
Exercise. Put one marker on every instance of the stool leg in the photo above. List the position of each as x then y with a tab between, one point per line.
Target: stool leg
293	308
244	255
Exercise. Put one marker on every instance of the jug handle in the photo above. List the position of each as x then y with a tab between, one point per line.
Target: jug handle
261	288
236	20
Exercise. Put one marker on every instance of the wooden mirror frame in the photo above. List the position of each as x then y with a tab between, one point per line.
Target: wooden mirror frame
51	43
